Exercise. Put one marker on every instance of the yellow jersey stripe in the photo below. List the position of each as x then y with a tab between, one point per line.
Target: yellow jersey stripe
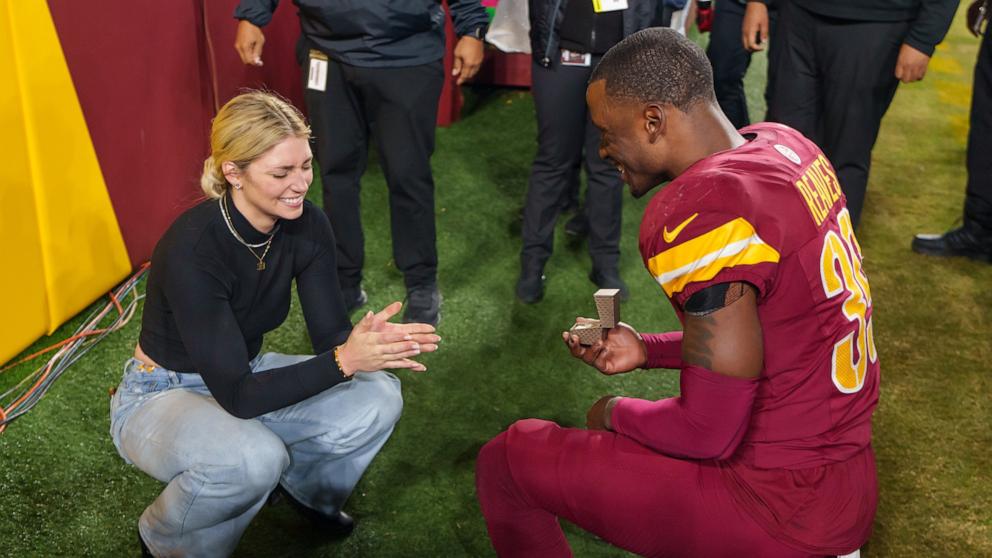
731	244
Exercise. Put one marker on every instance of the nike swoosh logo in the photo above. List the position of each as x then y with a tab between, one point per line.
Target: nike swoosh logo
670	236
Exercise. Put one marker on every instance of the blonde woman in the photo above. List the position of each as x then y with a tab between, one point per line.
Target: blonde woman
200	407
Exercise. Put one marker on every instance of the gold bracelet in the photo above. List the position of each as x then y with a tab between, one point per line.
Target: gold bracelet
337	360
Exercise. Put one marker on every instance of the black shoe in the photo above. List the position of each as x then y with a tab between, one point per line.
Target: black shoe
530	285
145	553
354	298
423	305
966	240
609	280
338	525
578	225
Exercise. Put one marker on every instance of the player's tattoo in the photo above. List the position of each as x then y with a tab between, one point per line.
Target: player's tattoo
697	347
715	297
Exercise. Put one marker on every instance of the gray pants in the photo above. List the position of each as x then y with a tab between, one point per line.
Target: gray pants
220	469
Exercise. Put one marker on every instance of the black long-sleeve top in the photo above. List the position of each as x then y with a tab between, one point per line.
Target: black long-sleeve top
930	18
375	33
207	306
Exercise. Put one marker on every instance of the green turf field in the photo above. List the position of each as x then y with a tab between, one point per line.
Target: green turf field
65	492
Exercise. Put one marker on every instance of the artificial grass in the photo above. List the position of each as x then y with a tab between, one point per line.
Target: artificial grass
65	492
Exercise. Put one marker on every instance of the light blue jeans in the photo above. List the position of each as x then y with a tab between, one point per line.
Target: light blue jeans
220	469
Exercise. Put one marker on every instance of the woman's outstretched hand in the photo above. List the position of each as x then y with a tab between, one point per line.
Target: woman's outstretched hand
376	343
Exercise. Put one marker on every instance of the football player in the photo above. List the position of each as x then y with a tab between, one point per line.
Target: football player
766	451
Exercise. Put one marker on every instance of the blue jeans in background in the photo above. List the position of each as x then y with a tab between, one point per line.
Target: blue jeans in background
220	469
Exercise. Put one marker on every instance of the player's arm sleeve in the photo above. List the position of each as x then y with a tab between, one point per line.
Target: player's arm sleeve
931	25
467	16
664	349
707	420
317	284
258	12
200	301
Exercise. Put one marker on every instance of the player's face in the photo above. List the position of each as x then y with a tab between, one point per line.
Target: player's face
275	184
625	142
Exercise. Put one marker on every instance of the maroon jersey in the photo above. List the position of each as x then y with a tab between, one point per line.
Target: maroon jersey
771	213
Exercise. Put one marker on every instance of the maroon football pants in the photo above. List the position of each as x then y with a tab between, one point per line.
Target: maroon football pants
625	493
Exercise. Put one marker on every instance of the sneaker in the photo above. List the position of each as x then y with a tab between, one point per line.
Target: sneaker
354	298
578	225
609	280
423	305
530	285
966	240
338	524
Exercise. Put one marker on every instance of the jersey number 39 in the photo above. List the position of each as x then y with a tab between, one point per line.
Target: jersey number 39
842	275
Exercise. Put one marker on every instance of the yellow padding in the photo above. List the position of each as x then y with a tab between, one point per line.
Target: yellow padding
62	247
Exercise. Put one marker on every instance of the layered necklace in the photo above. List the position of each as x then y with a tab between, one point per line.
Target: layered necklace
222	202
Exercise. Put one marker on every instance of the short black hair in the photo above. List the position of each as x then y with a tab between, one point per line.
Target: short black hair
657	65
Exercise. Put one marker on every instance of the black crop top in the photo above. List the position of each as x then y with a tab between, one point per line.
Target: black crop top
207	306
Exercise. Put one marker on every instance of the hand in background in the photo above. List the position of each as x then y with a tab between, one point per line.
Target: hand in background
622	351
376	343
911	65
754	30
248	42
468	57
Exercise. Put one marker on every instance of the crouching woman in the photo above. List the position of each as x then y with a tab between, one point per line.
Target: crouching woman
200	407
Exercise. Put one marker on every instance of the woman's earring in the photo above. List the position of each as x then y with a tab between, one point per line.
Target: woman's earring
237	186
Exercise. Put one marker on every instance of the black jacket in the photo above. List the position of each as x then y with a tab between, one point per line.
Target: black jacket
374	33
546	17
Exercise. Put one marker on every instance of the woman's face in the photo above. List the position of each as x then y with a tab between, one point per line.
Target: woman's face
275	184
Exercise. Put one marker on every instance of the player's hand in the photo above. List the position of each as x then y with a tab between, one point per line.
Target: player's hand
974	12
598	416
375	343
754	30
911	65
468	57
622	351
248	42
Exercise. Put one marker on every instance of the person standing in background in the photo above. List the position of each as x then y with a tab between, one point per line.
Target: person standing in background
568	37
973	239
837	70
376	70
730	50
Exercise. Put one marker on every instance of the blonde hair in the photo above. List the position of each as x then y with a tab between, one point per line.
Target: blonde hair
244	129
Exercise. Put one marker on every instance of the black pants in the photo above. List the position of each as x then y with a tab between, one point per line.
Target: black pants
730	60
834	80
397	107
566	136
978	200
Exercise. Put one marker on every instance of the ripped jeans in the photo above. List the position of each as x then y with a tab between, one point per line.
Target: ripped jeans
220	469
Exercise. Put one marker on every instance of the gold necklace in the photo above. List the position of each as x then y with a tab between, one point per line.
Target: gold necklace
251	247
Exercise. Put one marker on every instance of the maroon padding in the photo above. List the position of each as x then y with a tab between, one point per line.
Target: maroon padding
142	73
150	75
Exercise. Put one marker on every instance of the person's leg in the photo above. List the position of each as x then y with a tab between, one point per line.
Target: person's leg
978	198
973	239
856	90
333	436
632	497
794	93
340	128
402	104
219	469
559	100
604	204
730	61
